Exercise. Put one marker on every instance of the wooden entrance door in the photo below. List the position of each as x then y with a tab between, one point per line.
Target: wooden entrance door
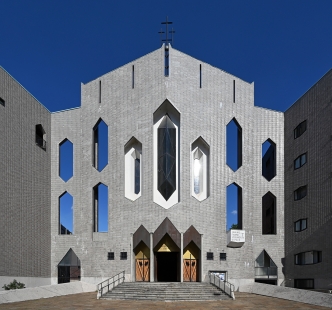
190	270
143	270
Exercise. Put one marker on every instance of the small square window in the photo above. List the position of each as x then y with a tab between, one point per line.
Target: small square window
123	255
209	255
223	256
110	255
2	101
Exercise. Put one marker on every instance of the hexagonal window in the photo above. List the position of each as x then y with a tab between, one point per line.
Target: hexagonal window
66	214
100	208
233	207
234	145
269	160
66	160
133	171
100	145
200	156
269	214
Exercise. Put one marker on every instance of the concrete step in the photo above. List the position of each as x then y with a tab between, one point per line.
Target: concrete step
166	291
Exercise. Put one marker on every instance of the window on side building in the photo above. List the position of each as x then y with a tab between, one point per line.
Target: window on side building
300	129
300	225
300	161
308	258
300	193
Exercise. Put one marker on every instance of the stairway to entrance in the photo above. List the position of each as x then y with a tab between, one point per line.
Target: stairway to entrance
166	291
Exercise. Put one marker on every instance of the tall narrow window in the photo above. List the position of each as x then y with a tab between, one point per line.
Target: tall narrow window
40	136
166	132
137	176
197	171
234	145
166	157
99	91
200	76
300	193
133	173
2	101
234	207
66	214
300	129
200	152
300	161
65	160
269	216
269	161
100	145
166	59
233	91
133	77
100	208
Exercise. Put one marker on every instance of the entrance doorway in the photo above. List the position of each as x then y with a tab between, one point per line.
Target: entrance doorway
167	260
191	253
69	269
142	262
167	266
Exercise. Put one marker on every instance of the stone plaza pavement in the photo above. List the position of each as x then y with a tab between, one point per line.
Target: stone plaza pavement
88	301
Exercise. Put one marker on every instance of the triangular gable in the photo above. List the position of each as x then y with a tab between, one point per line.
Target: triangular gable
192	235
70	259
167	227
141	234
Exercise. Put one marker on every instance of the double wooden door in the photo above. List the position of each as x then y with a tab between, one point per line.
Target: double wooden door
190	270
143	270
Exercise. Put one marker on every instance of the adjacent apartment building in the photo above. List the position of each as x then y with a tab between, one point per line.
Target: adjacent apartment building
177	206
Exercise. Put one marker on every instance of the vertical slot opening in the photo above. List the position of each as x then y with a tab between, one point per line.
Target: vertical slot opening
233	91
99	91
133	77
200	76
166	60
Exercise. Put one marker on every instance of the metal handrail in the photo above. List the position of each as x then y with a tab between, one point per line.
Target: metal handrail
114	281
227	287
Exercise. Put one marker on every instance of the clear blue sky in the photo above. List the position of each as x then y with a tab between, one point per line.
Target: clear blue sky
50	47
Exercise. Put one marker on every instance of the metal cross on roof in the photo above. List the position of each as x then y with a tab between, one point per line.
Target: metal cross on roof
161	32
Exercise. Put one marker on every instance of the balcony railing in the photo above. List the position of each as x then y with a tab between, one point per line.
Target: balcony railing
266	272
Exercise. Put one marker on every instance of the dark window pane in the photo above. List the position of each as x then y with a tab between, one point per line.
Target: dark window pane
166	158
137	175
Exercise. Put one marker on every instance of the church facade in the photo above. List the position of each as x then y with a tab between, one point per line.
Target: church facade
166	178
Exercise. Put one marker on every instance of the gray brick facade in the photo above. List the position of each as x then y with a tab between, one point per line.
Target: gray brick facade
25	188
203	112
314	107
31	187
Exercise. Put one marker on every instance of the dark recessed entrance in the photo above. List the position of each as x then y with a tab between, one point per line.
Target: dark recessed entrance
167	264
